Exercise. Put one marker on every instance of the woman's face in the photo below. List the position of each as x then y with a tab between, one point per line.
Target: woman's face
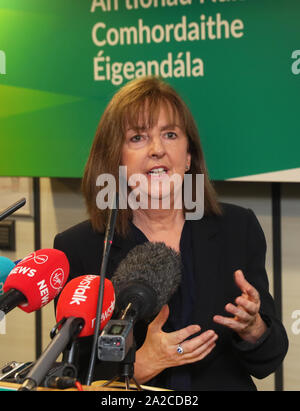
158	153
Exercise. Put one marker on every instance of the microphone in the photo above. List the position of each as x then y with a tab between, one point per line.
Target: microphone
76	311
11	209
79	299
146	279
6	265
35	281
108	237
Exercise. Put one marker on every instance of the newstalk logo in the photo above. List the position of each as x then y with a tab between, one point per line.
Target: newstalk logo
84	285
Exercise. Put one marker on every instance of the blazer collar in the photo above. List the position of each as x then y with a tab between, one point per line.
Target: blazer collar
124	243
206	227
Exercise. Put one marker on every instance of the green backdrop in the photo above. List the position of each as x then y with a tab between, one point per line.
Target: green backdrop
236	63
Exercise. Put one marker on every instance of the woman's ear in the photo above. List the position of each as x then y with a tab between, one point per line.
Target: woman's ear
188	161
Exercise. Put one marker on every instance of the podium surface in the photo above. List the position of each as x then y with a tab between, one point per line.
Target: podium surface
95	386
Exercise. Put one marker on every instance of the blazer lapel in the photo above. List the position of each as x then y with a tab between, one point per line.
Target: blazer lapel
206	261
119	249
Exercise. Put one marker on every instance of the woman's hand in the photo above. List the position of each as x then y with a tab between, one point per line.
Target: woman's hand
247	322
159	350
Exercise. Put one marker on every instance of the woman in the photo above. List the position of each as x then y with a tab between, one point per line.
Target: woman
220	326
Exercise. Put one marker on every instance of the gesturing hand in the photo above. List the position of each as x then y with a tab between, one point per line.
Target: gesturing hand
247	322
159	350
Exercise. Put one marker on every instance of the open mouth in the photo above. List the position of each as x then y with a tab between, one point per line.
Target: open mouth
157	171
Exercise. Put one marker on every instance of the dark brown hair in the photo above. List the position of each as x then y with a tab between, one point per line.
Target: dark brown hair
125	109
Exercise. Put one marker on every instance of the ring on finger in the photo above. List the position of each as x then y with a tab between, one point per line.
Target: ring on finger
180	350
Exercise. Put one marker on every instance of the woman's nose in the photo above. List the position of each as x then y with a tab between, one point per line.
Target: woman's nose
156	148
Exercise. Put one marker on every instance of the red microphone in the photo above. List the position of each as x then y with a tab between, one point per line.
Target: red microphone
35	280
79	299
76	313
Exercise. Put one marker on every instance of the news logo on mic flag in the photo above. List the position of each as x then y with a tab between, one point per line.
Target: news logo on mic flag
40	277
79	298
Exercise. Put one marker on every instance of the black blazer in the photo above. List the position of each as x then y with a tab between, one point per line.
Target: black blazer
220	245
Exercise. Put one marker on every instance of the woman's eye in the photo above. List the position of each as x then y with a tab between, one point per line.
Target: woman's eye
136	139
171	134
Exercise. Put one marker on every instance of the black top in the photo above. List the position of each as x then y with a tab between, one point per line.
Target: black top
212	249
181	304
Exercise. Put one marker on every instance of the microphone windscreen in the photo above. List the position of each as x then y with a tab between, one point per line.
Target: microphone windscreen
153	264
6	265
79	298
39	277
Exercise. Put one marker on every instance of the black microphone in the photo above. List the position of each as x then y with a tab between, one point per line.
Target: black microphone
109	233
11	209
146	279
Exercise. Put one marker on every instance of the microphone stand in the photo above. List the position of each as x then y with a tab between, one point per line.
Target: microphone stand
126	371
110	228
70	329
70	356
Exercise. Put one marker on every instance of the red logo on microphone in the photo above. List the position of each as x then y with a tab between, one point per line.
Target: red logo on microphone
57	279
38	259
